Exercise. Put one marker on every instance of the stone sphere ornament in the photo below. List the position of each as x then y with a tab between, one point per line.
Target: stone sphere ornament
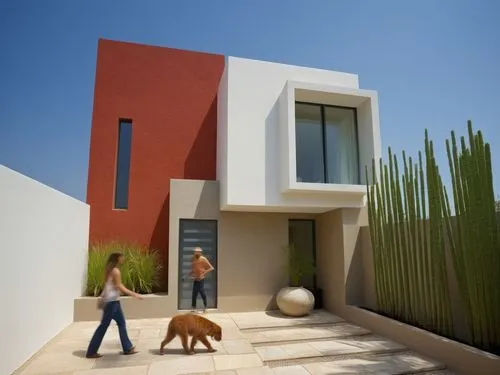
295	301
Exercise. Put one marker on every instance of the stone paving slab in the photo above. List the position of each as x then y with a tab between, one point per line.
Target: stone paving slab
290	351
370	343
263	370
290	370
269	319
135	370
184	365
255	371
53	362
305	333
231	362
383	364
324	348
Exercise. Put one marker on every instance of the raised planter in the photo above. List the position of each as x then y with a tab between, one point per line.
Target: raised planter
463	359
152	306
295	301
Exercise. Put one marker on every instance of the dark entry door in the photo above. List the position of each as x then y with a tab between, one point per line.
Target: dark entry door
192	234
302	233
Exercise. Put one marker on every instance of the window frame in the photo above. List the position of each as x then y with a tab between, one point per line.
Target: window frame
116	206
215	263
323	137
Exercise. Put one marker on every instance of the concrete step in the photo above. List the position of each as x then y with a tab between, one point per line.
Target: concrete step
407	364
304	333
282	326
327	368
402	363
321	348
324	344
256	321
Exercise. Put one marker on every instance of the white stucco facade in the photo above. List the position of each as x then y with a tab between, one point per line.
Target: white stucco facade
44	242
256	136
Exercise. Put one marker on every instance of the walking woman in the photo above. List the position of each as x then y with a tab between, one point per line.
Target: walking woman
111	308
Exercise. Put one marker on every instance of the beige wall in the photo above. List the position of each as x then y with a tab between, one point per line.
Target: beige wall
330	258
251	257
340	253
369	296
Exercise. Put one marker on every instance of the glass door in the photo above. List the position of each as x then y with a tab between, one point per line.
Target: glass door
192	234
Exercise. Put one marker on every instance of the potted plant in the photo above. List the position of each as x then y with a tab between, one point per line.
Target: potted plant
295	300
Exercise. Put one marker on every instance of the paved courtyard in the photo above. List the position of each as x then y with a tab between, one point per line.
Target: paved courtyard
256	343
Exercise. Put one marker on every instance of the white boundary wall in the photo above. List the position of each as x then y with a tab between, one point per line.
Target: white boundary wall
43	264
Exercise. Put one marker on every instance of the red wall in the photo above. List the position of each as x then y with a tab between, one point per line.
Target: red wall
171	97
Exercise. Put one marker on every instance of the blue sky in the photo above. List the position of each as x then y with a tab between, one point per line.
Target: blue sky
434	63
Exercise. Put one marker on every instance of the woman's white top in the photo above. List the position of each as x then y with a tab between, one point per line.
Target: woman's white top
110	291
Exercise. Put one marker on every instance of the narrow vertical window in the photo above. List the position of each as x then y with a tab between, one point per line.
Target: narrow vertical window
341	146
309	143
123	164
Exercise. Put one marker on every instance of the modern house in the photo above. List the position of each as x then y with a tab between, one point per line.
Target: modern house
234	155
240	157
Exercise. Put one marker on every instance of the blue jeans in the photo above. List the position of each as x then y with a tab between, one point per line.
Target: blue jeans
112	311
198	287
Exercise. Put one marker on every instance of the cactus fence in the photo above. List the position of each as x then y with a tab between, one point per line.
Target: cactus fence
412	223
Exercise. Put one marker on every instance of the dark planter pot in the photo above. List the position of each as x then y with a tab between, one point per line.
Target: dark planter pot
318	297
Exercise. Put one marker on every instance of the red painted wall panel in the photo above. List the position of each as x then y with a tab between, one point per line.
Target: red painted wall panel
171	97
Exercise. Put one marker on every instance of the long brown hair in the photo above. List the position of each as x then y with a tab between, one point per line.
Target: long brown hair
112	262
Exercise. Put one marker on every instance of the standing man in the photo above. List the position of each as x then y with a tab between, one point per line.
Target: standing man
200	266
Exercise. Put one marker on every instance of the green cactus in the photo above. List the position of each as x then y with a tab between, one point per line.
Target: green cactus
408	254
411	218
474	236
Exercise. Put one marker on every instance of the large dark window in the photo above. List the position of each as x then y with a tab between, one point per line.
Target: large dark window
123	164
326	144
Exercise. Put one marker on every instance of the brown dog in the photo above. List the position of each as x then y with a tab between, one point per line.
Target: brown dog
192	325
